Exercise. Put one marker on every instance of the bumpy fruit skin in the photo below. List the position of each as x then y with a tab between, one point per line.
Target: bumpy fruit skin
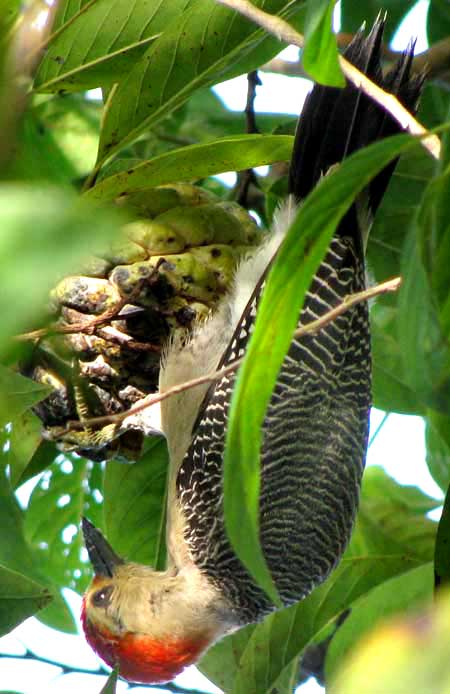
170	268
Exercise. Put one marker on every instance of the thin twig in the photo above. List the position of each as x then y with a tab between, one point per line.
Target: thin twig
435	61
378	429
348	302
253	81
82	327
284	32
88	326
309	329
69	669
247	176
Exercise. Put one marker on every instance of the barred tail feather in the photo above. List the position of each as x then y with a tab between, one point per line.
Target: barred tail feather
337	122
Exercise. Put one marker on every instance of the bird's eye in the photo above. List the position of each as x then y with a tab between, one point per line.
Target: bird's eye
102	597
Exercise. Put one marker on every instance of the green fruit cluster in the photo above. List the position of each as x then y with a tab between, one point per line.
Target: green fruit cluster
174	262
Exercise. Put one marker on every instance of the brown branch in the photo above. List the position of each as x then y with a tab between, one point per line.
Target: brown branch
284	32
309	329
84	327
247	177
31	36
30	656
253	81
349	301
435	61
21	53
110	334
295	68
87	326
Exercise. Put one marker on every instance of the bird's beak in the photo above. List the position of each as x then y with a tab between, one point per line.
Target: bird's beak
102	556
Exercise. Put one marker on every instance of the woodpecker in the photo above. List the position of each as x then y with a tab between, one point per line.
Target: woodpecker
151	624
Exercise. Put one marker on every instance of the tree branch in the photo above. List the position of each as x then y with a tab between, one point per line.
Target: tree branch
247	177
89	325
21	53
435	61
309	329
284	32
67	670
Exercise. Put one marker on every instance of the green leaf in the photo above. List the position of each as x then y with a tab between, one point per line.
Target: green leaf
424	333
379	487
46	233
134	508
196	161
24	441
10	12
397	211
17	555
262	47
100	43
67	490
222	661
280	639
402	656
20	598
442	551
287	681
207	119
196	50
438	20
403	594
437	438
38	157
320	55
388	540
426	357
110	686
43	457
390	387
18	394
435	243
288	281
391	519
68	125
434	107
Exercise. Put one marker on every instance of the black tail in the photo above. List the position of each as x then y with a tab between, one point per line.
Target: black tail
336	122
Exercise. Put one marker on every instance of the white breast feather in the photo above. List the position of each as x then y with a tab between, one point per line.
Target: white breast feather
185	359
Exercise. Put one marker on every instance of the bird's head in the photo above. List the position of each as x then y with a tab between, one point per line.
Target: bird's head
149	624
